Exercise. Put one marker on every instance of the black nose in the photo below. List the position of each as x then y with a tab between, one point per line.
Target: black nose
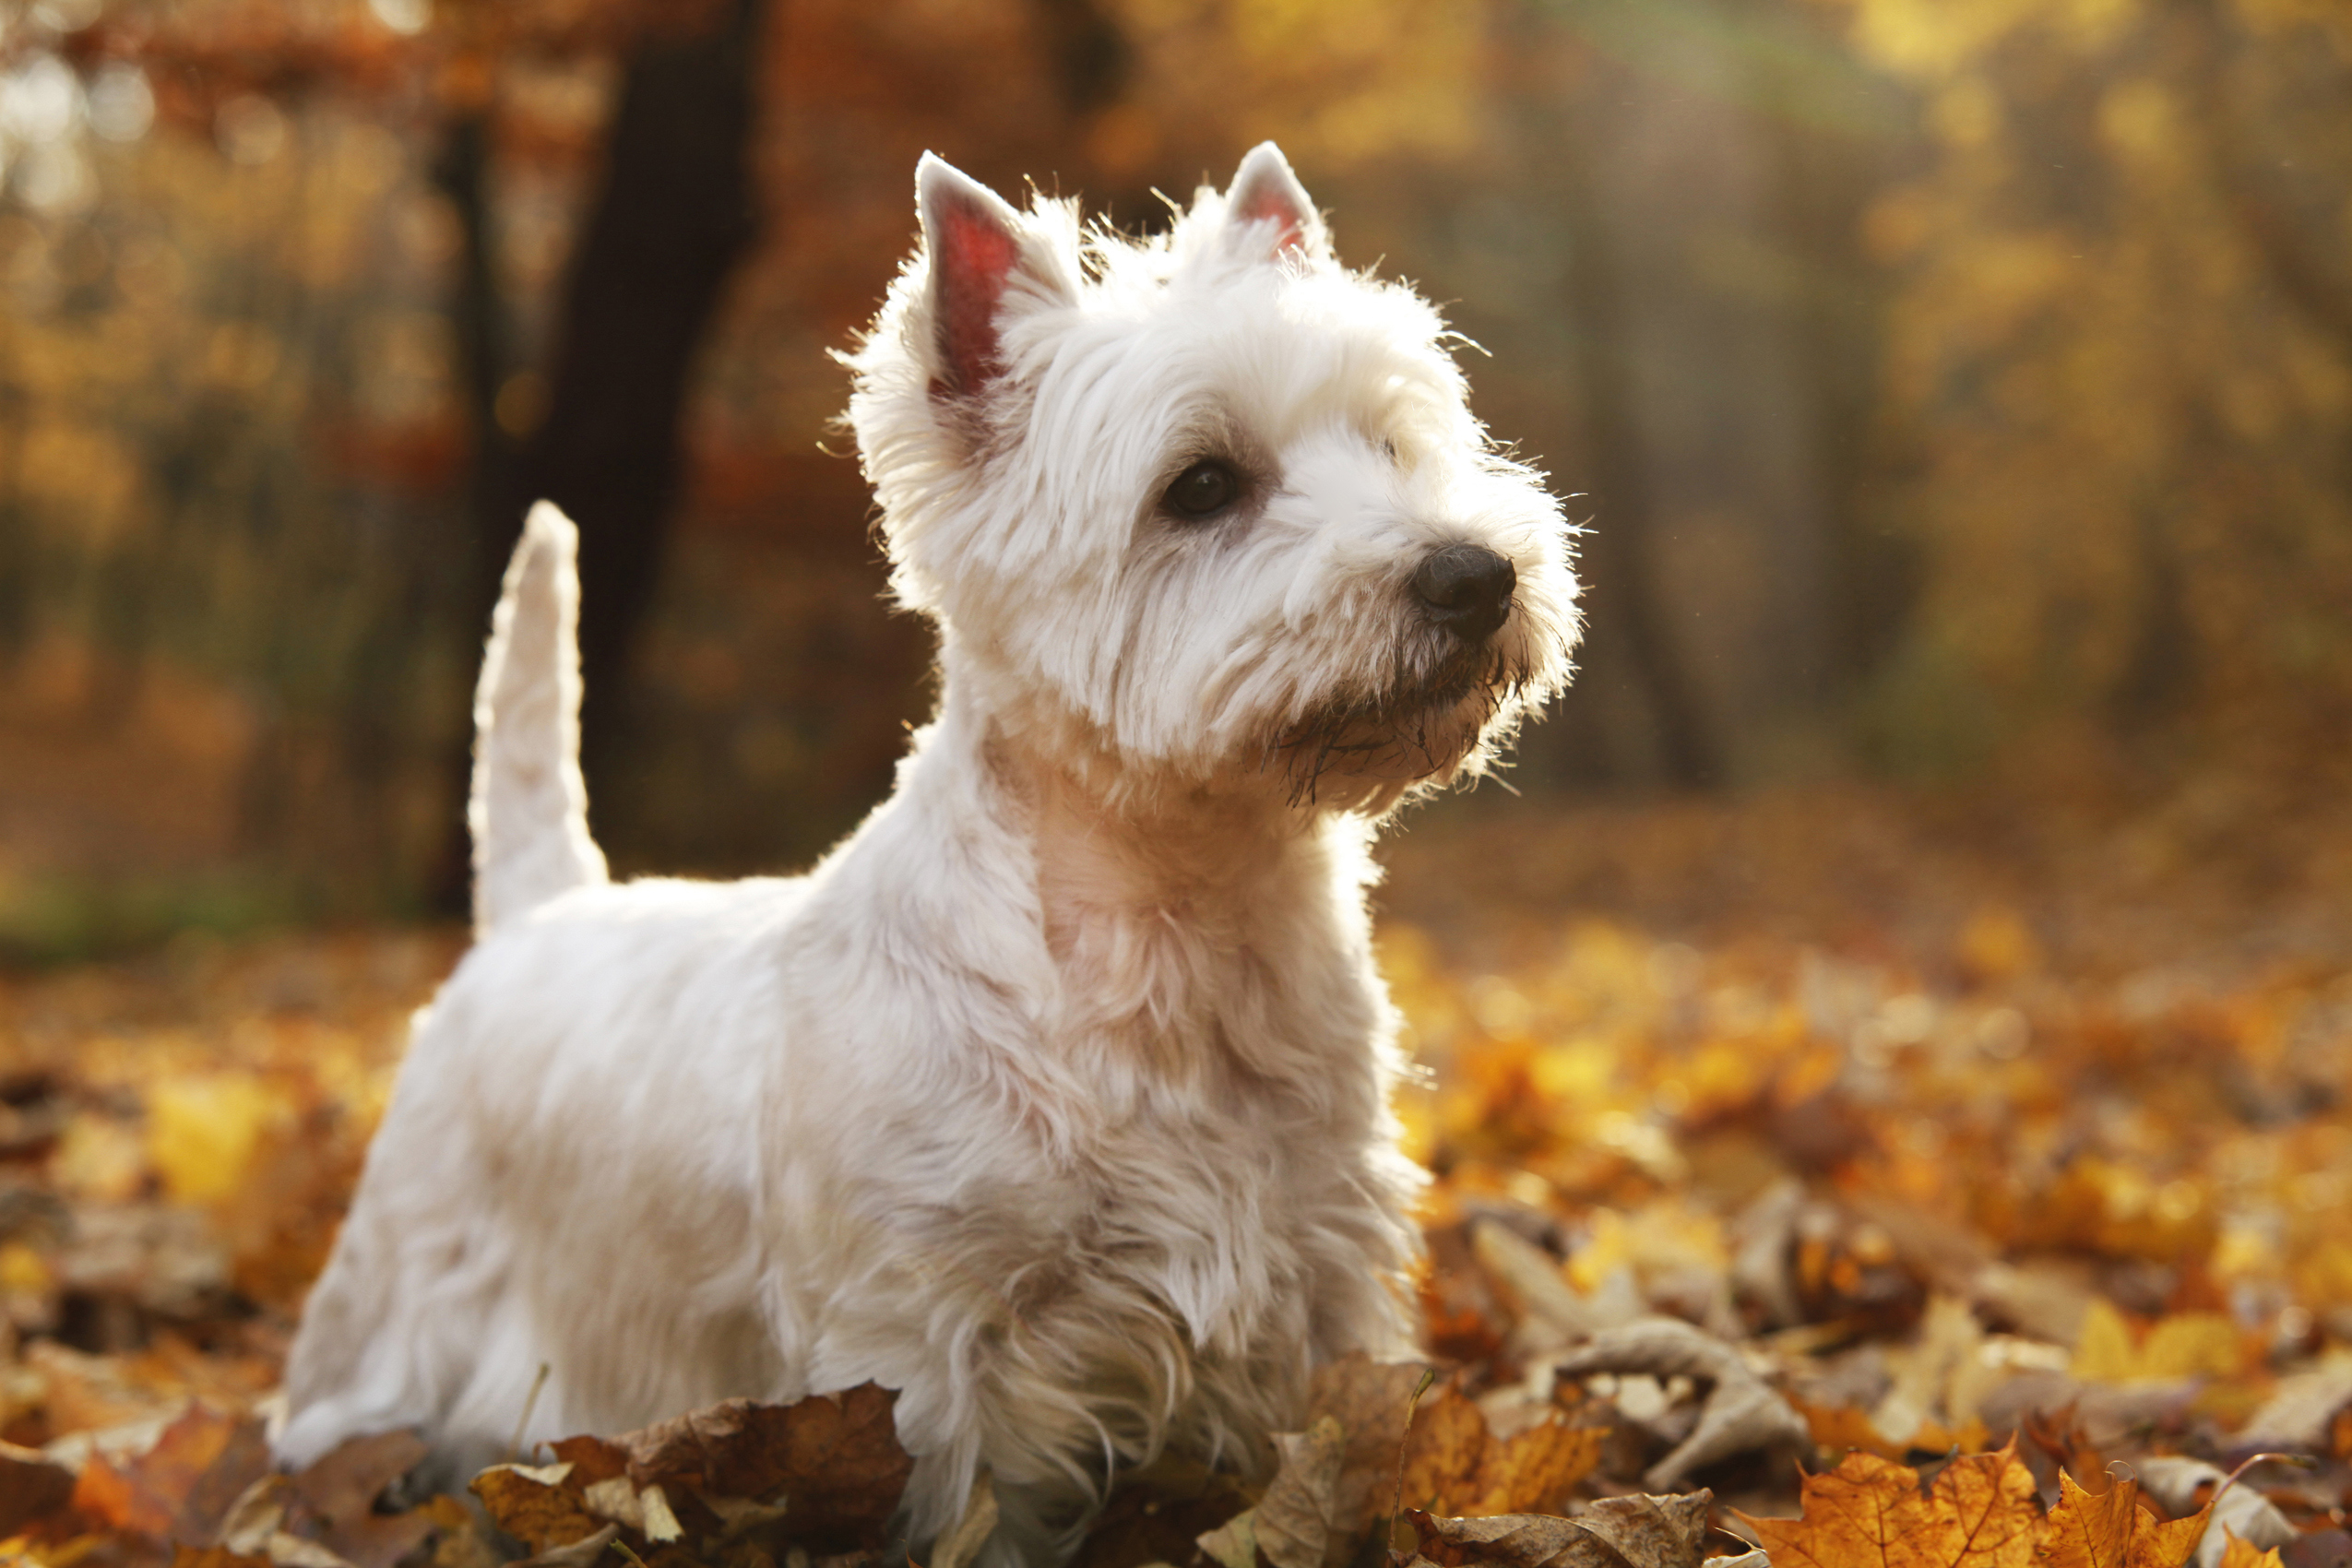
1467	589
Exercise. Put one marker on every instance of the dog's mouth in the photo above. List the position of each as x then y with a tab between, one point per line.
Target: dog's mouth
1412	730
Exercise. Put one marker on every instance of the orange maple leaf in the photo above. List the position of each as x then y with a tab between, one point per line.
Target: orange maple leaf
1870	1513
2243	1553
2109	1529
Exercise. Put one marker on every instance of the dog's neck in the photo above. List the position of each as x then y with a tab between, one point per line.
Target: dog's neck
1201	937
1181	855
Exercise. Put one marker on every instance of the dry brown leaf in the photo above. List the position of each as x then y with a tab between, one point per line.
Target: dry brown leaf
215	1557
1868	1513
2062	1436
1291	1527
2111	1529
33	1491
1616	1532
834	1458
1531	1473
578	1554
334	1501
1443	1451
535	1507
1368	1399
183	1487
1739	1415
1448	1461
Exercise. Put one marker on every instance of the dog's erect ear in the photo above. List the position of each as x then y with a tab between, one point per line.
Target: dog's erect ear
972	240
1265	201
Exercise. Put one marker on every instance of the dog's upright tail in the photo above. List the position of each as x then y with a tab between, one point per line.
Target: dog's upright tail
529	807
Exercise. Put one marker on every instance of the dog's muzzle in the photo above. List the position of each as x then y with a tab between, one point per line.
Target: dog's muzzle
1466	589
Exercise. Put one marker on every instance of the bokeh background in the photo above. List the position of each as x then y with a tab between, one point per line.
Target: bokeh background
1958	392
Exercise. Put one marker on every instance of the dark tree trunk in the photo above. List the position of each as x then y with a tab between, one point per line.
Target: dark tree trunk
675	211
1623	528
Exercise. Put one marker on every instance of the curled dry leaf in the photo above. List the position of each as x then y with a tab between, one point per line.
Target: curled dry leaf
334	1503
1531	1277
1739	1415
1291	1524
1616	1532
1870	1513
2300	1414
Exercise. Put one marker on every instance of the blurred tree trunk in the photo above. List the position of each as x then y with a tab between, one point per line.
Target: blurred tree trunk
1621	548
675	211
1824	176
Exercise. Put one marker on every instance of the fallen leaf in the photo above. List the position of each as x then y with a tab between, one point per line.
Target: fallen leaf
2240	1513
2110	1530
2242	1553
1616	1532
578	1554
1739	1415
183	1487
215	1557
834	1458
1291	1524
33	1491
542	1514
334	1501
2302	1410
1870	1513
1531	1277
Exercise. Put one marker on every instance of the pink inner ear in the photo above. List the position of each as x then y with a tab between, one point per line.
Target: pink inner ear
1270	200
973	254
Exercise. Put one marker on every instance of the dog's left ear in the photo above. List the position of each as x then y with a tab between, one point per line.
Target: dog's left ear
976	249
1265	203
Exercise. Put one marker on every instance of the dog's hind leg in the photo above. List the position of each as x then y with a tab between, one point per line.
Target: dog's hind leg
529	807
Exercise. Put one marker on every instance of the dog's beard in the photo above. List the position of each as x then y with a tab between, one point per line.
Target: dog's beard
1365	751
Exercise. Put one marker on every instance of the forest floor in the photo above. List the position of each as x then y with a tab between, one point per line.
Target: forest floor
1843	1124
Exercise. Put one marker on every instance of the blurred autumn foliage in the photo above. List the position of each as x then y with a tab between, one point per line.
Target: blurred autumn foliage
1712	1196
1960	395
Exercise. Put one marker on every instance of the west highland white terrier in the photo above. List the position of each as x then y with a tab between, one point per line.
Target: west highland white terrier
1056	1097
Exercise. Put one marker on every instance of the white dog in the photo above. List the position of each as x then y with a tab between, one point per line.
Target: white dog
1056	1096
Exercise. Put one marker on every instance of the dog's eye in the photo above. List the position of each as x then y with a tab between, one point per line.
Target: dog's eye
1204	489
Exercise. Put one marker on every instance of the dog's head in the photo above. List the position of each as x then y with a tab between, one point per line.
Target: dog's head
1210	498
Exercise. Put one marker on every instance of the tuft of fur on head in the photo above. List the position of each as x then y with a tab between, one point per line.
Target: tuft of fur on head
1033	388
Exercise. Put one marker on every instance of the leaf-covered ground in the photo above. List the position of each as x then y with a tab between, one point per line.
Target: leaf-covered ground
1768	1141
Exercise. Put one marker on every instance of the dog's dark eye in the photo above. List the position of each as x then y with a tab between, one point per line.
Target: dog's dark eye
1204	489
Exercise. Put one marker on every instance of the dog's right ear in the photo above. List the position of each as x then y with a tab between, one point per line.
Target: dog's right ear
973	243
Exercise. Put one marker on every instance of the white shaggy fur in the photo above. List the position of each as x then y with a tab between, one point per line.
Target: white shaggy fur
1056	1098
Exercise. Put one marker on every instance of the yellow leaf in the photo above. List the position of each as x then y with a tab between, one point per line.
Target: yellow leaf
2104	1351
2242	1553
202	1131
2192	1345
